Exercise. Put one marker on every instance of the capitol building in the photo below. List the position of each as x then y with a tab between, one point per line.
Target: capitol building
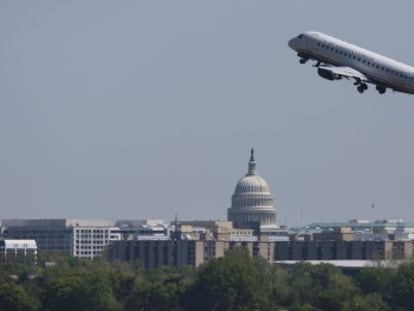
252	201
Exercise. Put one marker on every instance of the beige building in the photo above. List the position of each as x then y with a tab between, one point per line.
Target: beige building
343	250
154	254
337	234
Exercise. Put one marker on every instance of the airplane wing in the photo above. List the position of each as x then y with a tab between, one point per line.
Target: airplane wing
346	72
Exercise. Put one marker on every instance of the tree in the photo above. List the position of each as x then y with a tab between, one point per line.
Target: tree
232	282
89	291
370	302
13	297
376	280
159	289
65	293
401	289
321	286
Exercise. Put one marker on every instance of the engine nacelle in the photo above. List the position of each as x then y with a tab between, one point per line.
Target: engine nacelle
329	75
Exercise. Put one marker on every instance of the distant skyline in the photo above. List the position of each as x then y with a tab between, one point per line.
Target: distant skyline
135	109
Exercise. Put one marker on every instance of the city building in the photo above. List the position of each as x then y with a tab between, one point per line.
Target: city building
343	250
156	253
220	230
382	226
143	229
85	238
252	201
11	250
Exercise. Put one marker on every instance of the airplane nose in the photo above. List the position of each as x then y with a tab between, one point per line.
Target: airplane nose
292	43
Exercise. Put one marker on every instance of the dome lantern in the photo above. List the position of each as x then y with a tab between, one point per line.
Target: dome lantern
252	164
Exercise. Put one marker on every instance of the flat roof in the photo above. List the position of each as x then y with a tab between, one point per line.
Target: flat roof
347	263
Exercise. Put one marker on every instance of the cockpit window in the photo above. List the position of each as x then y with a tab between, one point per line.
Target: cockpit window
300	36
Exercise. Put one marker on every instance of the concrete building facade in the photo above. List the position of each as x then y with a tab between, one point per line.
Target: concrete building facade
77	237
154	254
343	250
11	250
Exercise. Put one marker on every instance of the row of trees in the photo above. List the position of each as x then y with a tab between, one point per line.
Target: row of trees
233	282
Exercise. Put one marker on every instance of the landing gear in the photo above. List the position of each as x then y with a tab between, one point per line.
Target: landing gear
381	89
362	87
303	58
317	64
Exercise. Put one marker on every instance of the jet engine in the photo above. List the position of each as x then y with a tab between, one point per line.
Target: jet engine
327	74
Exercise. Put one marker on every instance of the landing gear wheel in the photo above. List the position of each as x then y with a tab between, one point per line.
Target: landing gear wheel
303	60
381	89
362	87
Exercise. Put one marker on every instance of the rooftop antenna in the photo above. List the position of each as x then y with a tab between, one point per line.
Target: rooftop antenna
177	234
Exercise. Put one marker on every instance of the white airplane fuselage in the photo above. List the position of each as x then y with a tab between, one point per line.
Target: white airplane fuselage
375	68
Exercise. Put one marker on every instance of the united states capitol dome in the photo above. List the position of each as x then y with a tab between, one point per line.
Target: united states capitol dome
252	200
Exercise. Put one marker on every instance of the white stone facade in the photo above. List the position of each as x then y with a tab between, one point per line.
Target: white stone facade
252	200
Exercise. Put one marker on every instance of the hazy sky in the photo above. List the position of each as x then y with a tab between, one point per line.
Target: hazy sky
145	109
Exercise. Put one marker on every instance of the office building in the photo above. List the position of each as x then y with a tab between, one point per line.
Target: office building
84	238
22	250
156	253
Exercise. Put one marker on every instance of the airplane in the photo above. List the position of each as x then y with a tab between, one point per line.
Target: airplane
337	59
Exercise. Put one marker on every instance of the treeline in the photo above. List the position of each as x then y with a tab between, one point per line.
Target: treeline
233	282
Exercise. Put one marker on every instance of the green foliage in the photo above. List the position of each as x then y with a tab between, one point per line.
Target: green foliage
64	293
232	282
401	289
13	297
370	302
394	287
84	285
159	289
320	286
375	280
